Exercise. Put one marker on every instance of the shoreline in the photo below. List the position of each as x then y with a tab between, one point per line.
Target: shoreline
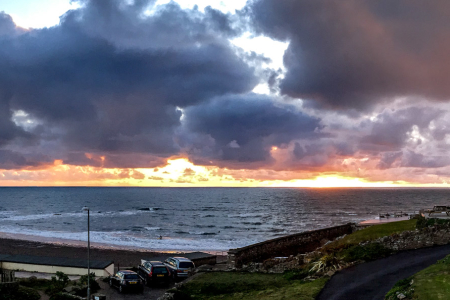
20	244
94	245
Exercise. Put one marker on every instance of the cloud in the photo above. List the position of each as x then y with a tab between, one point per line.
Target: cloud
110	79
244	128
355	54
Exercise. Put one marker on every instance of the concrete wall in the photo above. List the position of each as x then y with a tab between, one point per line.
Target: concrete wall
53	269
288	245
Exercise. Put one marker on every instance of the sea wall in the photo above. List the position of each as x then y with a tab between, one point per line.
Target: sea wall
287	245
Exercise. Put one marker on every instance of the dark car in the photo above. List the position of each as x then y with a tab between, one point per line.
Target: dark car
179	266
154	272
126	280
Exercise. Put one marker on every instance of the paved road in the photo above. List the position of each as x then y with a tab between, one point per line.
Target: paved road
150	293
372	280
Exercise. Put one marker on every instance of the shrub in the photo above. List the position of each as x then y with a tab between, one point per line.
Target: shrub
326	262
368	252
57	283
16	292
421	222
61	296
27	293
403	286
92	283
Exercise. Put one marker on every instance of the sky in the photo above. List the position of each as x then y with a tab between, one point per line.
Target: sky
273	93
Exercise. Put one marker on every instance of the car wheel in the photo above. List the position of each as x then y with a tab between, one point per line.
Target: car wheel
120	289
145	281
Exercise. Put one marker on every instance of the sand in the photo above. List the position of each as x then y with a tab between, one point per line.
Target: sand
123	257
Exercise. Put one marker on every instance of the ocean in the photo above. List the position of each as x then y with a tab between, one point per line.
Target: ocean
191	219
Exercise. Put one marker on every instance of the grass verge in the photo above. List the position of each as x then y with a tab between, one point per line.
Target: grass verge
236	285
430	283
371	233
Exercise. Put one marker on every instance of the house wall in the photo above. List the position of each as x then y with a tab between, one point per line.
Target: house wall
53	269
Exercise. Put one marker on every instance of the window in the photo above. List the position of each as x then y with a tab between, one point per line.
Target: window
159	270
186	264
131	276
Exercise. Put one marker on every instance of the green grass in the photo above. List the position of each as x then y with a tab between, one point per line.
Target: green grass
433	282
371	233
235	285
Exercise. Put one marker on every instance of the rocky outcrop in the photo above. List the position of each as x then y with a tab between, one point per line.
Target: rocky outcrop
415	239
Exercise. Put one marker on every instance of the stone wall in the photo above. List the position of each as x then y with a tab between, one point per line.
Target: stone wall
287	245
210	260
408	240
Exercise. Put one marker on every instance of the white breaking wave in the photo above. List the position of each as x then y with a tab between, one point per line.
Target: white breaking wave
11	215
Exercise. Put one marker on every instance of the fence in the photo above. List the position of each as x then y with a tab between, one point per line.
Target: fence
7	276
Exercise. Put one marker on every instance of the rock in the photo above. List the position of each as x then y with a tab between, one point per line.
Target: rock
167	296
401	296
330	273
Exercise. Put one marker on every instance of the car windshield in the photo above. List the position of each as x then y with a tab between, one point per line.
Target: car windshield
131	276
186	265
159	270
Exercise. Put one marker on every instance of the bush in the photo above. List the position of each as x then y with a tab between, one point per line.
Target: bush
61	296
92	283
421	222
368	252
403	286
57	284
27	293
16	292
326	262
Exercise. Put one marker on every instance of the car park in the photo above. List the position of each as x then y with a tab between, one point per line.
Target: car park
154	272
126	280
179	266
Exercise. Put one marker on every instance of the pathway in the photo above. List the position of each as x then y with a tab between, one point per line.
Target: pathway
372	280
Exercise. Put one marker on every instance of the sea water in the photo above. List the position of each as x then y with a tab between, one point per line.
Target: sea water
190	219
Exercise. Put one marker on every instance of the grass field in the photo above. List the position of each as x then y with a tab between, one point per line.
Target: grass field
372	233
433	282
235	285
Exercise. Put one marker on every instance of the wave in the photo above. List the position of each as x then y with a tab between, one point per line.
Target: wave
11	215
122	239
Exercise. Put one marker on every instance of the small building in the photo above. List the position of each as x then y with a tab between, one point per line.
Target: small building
44	264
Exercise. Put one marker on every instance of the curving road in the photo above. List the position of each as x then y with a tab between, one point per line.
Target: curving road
372	280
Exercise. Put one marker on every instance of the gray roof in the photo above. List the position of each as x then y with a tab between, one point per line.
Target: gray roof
192	256
55	261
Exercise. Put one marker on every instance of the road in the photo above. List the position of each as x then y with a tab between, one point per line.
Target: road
372	280
150	293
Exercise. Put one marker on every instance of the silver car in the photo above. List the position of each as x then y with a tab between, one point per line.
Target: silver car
179	266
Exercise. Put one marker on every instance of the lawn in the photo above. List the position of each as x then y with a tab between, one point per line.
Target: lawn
372	233
433	282
236	285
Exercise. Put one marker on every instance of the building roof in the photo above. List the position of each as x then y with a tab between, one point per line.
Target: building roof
55	261
192	256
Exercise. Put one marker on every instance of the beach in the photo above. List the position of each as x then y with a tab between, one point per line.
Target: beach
121	257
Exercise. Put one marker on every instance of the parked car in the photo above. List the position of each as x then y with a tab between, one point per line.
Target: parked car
126	280
179	266
153	271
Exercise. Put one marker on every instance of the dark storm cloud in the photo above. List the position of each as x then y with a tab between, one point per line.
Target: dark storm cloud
353	54
15	160
391	129
109	79
244	128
